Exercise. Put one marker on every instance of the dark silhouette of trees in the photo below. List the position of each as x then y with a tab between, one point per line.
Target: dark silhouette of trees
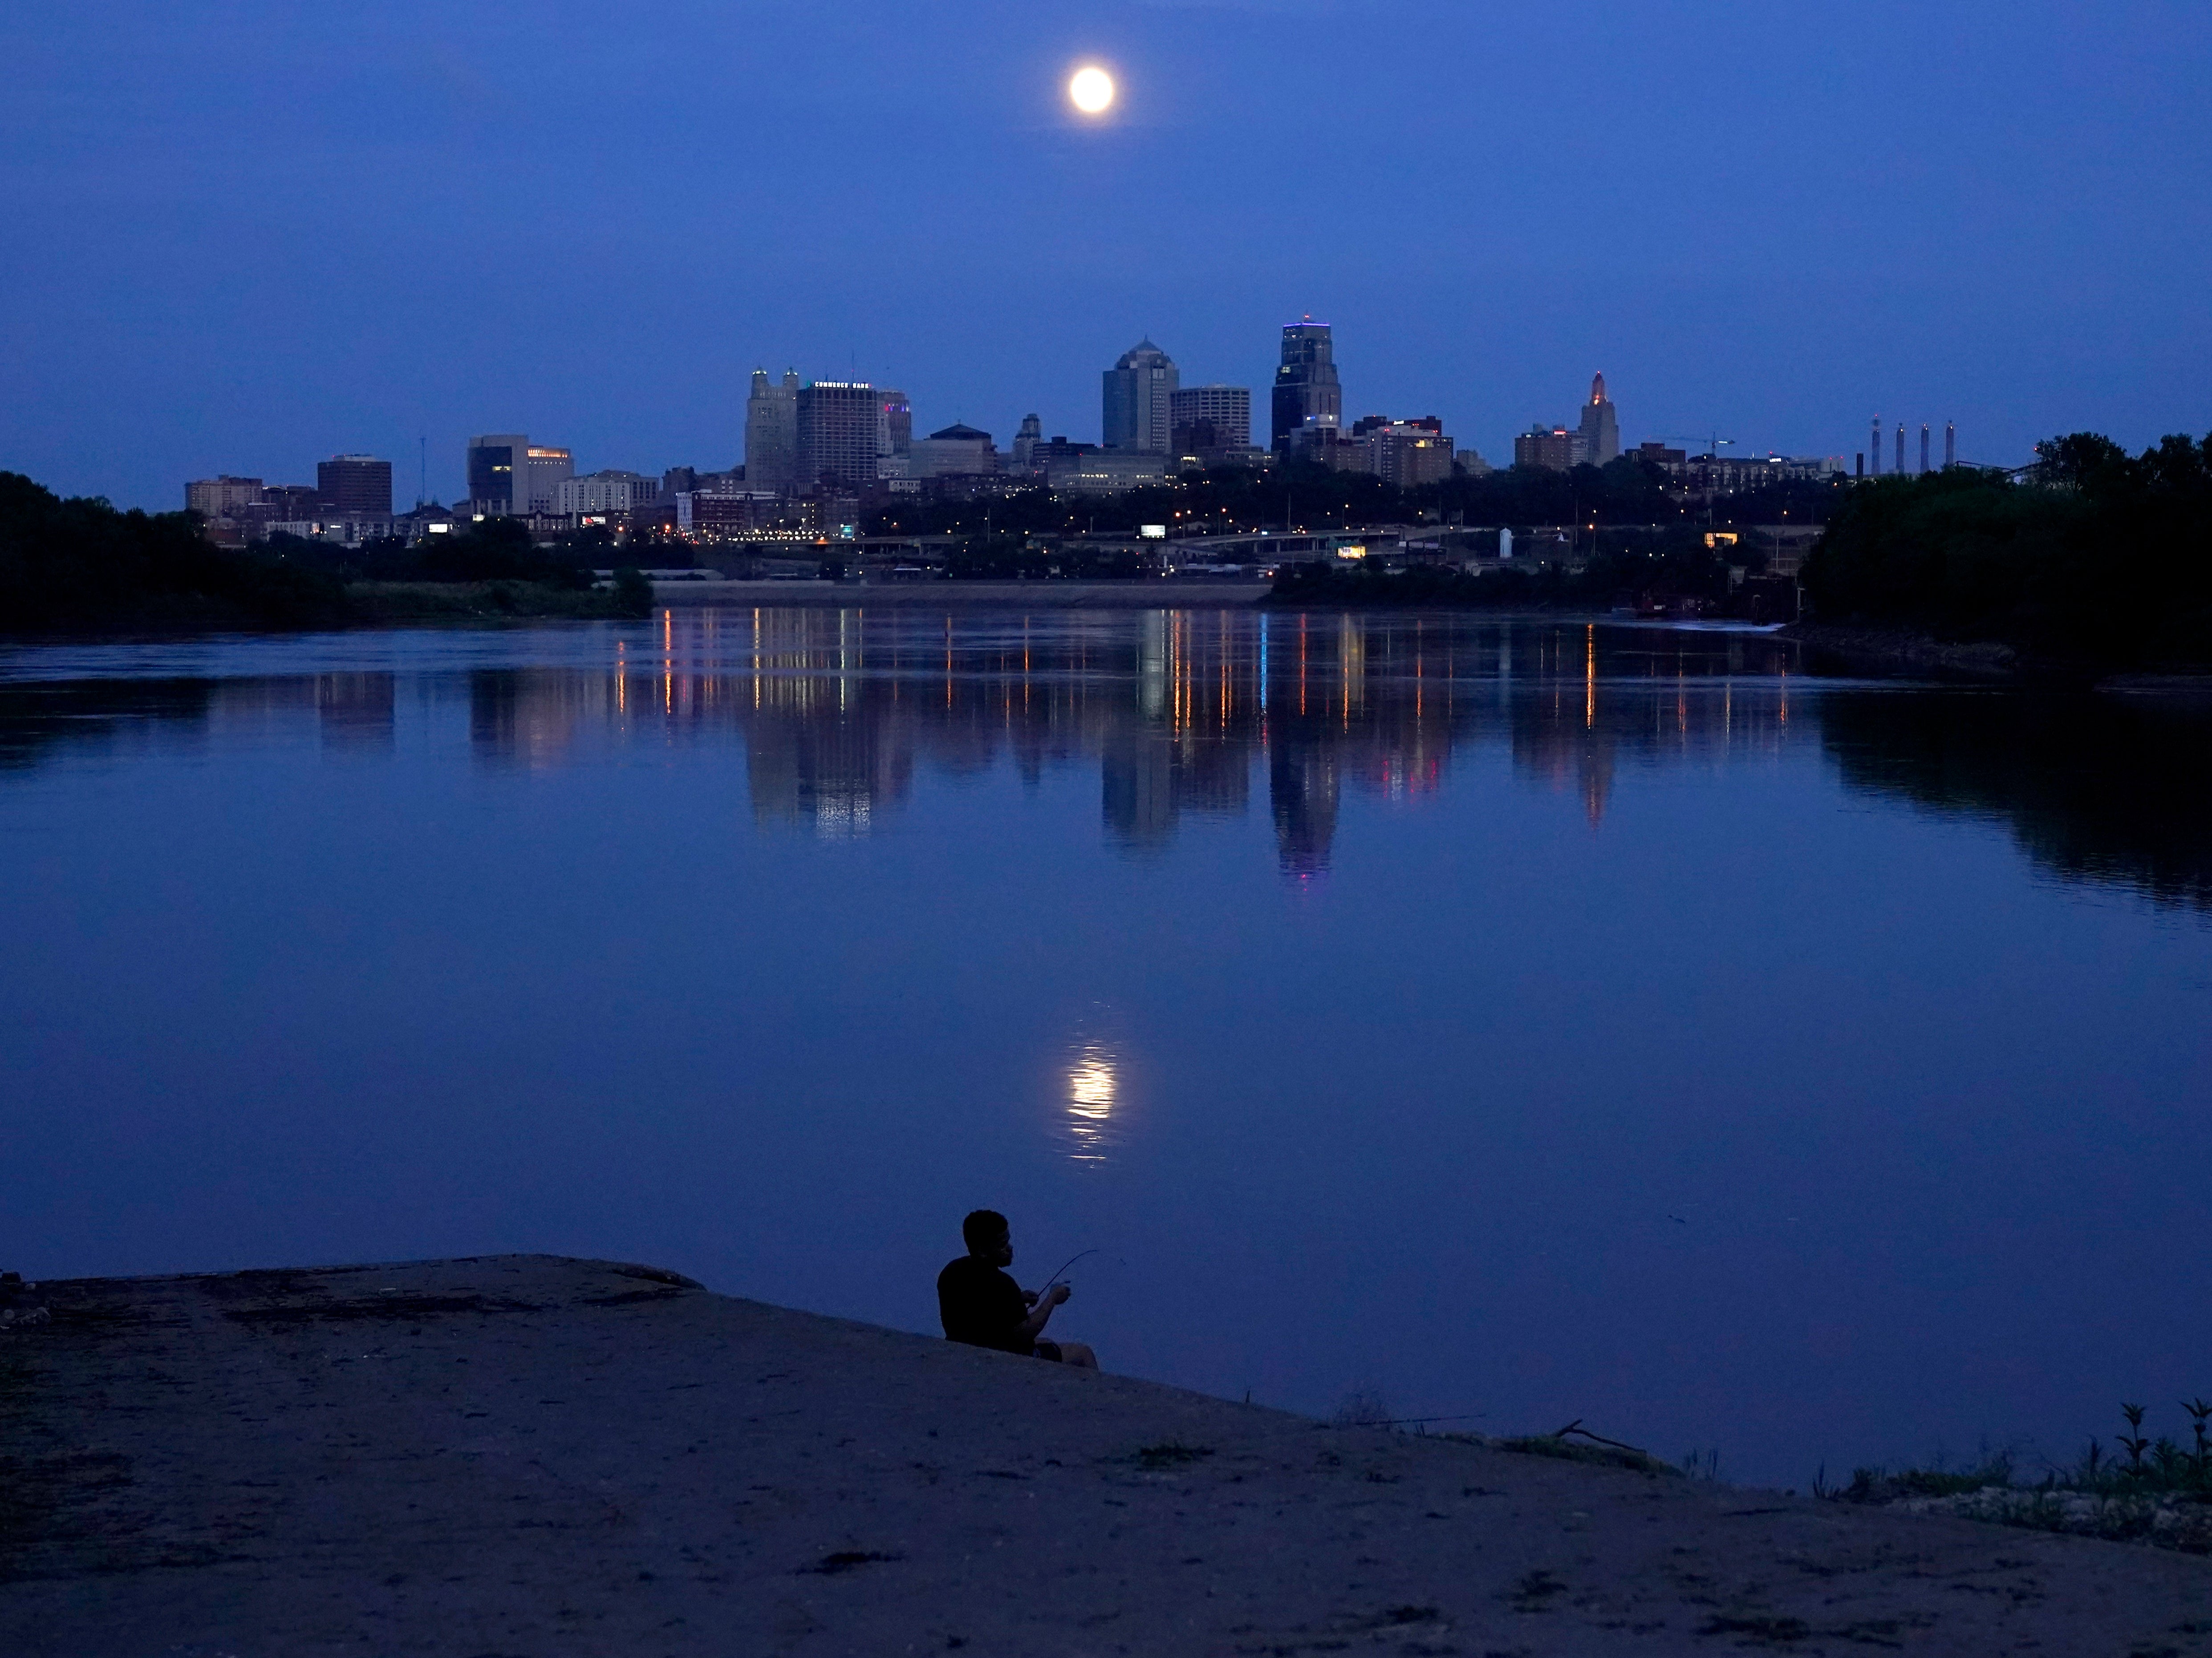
2092	557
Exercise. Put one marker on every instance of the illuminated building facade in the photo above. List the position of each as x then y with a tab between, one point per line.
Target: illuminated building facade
1600	426
894	424
837	425
1307	395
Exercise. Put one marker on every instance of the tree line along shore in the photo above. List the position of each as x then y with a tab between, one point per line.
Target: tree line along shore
2089	563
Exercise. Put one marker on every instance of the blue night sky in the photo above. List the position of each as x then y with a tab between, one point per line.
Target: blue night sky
246	236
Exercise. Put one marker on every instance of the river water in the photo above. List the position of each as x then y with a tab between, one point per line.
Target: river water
1509	1022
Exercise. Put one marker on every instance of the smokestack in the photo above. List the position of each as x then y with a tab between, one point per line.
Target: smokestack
1924	446
1877	445
1950	446
1900	448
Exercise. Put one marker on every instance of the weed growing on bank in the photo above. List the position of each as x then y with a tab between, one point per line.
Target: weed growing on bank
2155	1491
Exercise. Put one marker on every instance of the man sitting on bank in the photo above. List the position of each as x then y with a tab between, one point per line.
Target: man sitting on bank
984	1307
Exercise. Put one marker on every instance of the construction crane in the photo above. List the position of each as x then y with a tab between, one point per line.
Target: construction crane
1712	443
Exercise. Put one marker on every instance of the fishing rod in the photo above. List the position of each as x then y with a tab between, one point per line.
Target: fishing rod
1063	1266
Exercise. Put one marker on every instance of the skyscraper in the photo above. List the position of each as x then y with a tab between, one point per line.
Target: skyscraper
894	424
1923	446
1307	394
1600	428
1900	449
356	485
1875	446
1209	418
837	422
772	432
1138	391
1950	445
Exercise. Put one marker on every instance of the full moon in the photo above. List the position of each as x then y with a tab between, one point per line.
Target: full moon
1091	90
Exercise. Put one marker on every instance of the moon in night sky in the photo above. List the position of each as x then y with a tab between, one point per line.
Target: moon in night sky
1091	89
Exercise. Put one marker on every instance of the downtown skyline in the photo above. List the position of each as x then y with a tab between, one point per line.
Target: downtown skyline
1912	215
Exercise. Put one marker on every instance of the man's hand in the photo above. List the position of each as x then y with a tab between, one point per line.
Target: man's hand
1029	1297
1041	1306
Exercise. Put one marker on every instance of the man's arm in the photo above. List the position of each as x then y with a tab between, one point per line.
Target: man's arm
1041	1310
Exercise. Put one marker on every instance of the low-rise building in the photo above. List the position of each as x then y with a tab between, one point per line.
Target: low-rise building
958	451
1408	453
1105	471
1552	448
605	493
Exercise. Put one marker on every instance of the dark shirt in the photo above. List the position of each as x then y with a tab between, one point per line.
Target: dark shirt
982	1306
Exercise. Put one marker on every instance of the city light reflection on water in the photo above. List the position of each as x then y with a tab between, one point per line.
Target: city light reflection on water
712	939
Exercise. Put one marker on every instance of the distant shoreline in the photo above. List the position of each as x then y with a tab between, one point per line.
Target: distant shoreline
1139	595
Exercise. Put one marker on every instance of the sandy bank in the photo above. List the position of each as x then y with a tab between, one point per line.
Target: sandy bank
1207	595
522	1455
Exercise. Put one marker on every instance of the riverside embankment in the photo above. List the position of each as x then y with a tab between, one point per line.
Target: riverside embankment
1161	595
531	1455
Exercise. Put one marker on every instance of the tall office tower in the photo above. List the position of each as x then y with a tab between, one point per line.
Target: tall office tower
1209	418
772	432
356	485
837	422
1923	446
1875	446
1900	449
1601	428
1138	389
494	461
894	423
1026	443
1307	393
1950	445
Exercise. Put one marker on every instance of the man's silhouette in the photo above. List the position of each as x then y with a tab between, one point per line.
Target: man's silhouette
980	1305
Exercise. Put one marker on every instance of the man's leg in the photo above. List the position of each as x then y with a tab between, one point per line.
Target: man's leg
1078	1353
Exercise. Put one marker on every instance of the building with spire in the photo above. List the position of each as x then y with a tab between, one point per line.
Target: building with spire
1139	400
1307	398
1601	426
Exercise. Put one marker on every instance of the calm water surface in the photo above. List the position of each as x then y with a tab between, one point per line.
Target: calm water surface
1517	1022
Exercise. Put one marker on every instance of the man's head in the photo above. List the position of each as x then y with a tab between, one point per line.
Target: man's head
986	1237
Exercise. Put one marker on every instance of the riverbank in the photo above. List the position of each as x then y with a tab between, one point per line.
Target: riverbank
1901	651
525	1453
1149	595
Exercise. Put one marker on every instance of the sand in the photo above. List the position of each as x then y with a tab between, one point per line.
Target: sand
527	1455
